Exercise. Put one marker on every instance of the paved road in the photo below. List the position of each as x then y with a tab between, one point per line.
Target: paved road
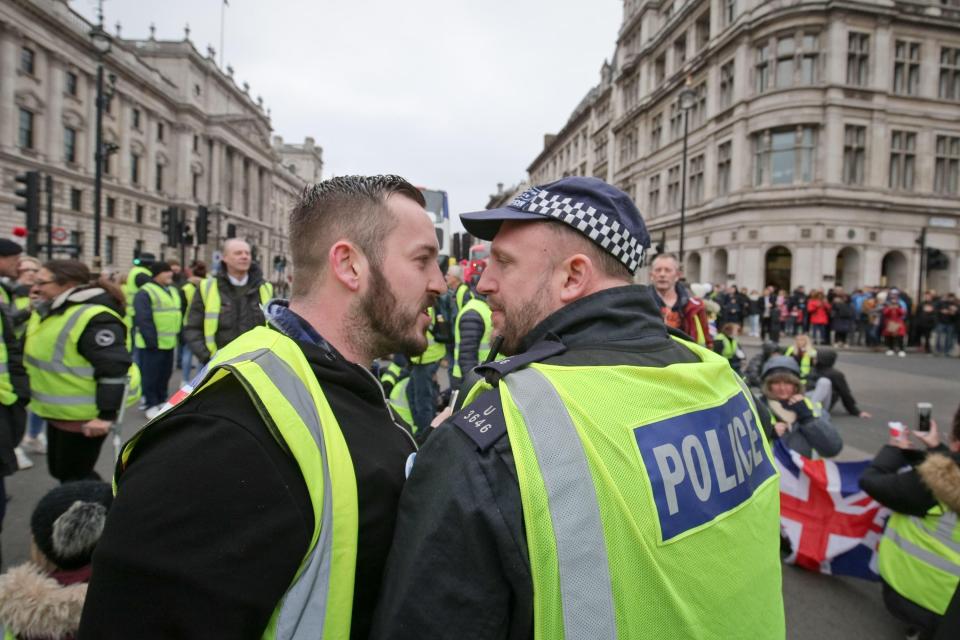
818	607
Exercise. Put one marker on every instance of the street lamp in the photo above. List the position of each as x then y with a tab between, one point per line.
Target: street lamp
101	44
687	99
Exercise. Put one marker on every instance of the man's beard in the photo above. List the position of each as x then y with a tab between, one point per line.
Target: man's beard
377	325
519	322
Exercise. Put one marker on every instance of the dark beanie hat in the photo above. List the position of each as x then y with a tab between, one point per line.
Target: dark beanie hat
67	522
159	267
9	248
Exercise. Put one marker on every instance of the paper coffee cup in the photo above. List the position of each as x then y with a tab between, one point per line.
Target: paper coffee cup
896	429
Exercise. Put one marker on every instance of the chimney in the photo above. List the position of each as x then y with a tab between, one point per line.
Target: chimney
499	188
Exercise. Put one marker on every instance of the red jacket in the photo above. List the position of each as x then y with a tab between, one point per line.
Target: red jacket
894	316
819	311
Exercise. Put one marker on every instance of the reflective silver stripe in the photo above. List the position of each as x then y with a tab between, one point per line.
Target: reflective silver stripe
585	589
57	367
211	316
168	334
922	554
3	368
946	525
304	606
61	346
122	380
62	400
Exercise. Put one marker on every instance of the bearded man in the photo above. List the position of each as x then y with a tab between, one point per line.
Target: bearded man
263	503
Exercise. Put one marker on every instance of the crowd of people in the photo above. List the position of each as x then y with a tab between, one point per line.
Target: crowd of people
312	480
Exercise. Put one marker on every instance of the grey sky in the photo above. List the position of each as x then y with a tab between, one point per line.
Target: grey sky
452	95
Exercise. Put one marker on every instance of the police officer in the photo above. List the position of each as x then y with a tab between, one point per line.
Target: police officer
263	504
472	334
81	372
229	304
157	318
607	476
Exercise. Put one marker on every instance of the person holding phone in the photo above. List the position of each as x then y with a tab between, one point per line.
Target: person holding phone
920	550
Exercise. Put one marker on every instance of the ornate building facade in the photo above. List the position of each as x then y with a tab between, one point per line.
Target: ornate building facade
182	131
823	137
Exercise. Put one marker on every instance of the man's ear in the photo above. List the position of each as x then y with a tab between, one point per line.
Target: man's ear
577	273
347	264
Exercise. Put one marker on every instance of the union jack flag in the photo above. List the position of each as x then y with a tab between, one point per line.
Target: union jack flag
185	390
833	526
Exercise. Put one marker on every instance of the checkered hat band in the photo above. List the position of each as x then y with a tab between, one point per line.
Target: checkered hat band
596	225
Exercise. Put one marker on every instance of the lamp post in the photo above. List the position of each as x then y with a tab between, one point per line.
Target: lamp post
101	44
687	98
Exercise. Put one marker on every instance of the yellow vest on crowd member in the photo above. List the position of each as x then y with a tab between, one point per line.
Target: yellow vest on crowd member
165	305
806	362
401	404
130	289
920	557
7	395
658	516
435	350
20	303
188	291
730	346
391	374
210	294
279	379
62	386
481	307
462	295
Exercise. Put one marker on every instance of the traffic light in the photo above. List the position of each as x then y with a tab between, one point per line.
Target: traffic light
169	225
203	224
937	259
31	200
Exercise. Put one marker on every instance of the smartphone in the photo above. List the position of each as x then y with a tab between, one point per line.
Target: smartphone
924	409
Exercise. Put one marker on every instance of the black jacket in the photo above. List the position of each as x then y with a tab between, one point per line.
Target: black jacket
471	334
824	368
103	343
239	312
935	475
212	516
459	567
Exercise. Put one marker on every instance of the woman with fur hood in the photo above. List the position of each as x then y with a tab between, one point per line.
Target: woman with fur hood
43	598
920	550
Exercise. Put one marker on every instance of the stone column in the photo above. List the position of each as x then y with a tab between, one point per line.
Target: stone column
8	70
182	148
123	161
148	174
882	54
836	52
740	162
238	177
54	115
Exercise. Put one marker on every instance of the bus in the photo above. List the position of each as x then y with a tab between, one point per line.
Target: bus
438	207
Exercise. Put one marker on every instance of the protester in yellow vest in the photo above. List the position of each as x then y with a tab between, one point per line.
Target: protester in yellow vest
455	285
138	276
158	314
472	335
230	303
262	504
14	390
606	480
422	390
920	550
81	372
803	352
198	273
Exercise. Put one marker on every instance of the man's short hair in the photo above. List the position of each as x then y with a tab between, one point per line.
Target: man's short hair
666	256
605	262
343	208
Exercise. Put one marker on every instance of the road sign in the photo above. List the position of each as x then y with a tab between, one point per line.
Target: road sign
59	234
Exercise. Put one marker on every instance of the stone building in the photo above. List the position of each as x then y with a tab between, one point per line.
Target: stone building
182	131
823	137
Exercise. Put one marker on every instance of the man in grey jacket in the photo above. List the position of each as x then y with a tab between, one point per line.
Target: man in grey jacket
228	304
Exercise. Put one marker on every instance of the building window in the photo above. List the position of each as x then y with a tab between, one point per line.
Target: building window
724	158
107	164
906	68
698	112
111	207
726	85
72	83
660	70
654	195
138	214
796	62
762	71
949	73
680	51
729	12
69	144
903	156
159	183
786	53
656	131
160	131
676	120
784	156
858	58
695	181
946	175
76	199
196	143
136	119
854	154
137	247
27	60
630	92
703	31
673	187
26	129
111	249
195	188
134	168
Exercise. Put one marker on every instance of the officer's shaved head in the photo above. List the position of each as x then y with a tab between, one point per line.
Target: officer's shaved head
351	208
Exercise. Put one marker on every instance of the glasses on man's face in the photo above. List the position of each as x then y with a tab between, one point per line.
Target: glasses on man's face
40	283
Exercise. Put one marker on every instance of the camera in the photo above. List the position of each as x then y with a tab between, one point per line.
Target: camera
924	409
